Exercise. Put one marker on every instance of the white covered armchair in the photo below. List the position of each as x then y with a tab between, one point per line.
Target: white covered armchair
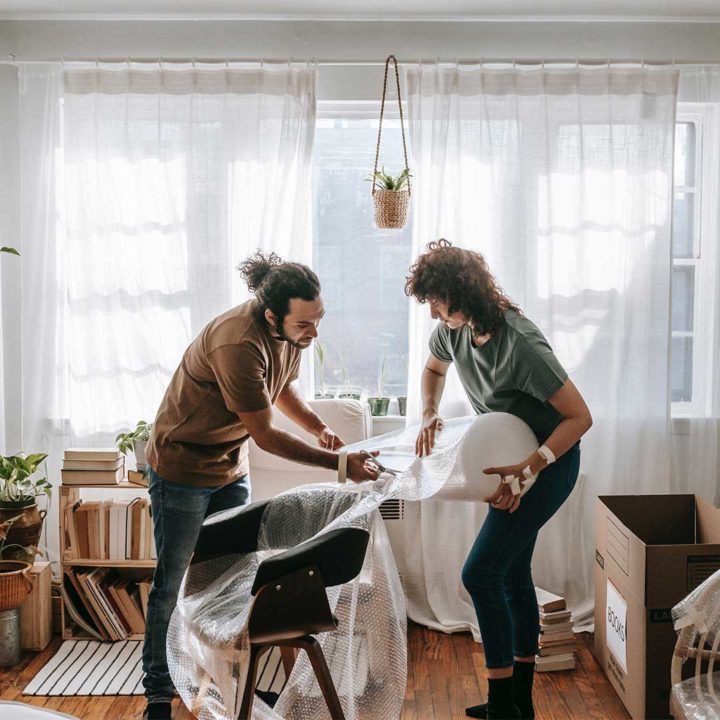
271	475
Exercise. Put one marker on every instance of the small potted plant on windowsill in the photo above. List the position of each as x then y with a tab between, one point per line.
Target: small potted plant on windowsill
135	440
20	486
402	399
379	405
347	391
320	355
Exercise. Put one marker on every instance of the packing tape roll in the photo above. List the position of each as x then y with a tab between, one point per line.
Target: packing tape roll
342	467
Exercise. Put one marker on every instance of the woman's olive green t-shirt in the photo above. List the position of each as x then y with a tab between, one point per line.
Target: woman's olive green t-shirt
515	371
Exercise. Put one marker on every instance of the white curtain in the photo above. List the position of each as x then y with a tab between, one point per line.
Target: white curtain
562	178
696	457
143	187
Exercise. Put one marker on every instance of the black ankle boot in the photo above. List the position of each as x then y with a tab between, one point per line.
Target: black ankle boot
523	675
161	710
500	705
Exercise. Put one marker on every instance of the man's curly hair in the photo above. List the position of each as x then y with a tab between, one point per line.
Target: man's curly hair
461	279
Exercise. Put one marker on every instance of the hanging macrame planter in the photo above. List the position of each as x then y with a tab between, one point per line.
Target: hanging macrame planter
391	194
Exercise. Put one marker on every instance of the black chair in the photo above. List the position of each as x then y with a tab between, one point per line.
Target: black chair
290	604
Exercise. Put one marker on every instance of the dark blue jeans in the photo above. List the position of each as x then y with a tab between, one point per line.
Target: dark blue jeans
178	513
497	571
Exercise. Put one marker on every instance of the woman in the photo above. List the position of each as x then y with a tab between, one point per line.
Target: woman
505	365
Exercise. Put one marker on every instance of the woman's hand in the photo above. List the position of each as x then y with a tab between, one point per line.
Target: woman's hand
431	425
503	498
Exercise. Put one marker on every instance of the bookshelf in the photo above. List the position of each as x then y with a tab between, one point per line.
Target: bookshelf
69	495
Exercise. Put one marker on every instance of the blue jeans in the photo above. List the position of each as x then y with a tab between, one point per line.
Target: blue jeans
497	571
178	514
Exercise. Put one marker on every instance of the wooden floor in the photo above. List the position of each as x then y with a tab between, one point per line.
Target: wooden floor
445	674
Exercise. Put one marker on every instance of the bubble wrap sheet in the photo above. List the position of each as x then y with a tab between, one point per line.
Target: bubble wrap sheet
698	615
208	646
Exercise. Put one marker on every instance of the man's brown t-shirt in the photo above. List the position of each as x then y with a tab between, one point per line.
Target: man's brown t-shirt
233	366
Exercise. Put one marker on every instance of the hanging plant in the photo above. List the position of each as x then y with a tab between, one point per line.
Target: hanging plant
391	193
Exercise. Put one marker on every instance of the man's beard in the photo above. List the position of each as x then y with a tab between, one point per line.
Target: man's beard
280	335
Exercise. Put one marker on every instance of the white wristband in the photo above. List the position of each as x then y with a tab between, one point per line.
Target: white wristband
545	452
342	467
513	482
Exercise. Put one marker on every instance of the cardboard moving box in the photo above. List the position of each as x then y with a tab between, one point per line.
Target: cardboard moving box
650	552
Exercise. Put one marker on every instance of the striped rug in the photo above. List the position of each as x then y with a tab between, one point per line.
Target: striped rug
91	667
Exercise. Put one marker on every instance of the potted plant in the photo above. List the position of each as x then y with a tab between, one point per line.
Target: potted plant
135	440
402	399
391	197
379	405
320	355
348	390
20	486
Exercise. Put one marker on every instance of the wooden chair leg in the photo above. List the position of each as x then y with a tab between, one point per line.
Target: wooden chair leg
289	656
322	672
251	680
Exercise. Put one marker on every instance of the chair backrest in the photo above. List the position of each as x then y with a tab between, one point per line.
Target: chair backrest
338	555
230	532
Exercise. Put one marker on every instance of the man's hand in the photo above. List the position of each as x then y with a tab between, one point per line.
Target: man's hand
503	498
431	425
360	466
328	440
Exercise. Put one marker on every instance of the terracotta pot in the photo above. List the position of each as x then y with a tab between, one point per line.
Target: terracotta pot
15	585
25	531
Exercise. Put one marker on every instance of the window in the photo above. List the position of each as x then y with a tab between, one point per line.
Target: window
693	261
365	330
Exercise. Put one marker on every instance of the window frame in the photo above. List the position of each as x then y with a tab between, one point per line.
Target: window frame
704	259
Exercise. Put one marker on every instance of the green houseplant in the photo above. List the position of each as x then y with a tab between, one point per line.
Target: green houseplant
21	483
385	181
348	391
135	440
320	355
379	405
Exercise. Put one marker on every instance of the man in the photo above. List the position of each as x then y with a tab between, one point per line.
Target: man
241	364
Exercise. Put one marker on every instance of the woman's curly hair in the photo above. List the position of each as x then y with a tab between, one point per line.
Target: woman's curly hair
460	278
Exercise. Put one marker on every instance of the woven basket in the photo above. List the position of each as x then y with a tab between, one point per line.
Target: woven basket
391	208
15	585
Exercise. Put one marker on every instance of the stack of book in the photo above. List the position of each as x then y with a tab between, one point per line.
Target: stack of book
109	530
93	466
105	604
557	640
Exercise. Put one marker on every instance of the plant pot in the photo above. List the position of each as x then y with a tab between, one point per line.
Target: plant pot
25	531
15	585
379	406
402	405
391	208
139	447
